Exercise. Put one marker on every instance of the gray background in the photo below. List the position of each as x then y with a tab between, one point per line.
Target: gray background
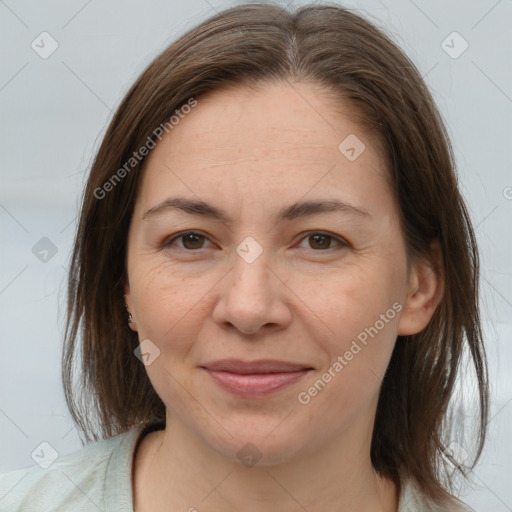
55	110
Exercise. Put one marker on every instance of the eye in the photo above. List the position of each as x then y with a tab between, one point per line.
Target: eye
192	240
322	241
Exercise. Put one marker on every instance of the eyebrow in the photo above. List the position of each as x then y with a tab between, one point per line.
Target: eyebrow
294	211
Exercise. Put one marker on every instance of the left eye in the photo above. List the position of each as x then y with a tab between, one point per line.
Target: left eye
193	240
322	240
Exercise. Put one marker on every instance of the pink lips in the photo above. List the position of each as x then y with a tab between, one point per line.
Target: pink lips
256	378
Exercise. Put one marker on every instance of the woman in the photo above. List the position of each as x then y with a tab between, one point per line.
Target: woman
273	281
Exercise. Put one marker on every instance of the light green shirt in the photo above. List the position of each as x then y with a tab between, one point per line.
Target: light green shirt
97	478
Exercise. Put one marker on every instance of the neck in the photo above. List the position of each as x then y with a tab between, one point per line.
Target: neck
177	471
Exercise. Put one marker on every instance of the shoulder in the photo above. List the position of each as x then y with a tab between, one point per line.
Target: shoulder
413	500
75	481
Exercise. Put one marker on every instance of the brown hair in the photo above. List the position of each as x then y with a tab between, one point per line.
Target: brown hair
349	56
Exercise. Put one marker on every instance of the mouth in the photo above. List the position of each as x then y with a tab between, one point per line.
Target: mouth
255	379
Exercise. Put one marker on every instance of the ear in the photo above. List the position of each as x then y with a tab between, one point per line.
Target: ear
425	292
129	307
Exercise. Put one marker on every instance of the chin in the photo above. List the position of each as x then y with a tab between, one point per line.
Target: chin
258	448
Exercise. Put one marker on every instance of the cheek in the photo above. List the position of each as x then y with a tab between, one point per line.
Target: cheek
351	379
168	305
349	299
358	306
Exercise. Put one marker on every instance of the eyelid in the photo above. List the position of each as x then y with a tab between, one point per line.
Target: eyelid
168	240
341	241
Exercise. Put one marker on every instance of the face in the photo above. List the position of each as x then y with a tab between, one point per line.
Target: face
324	289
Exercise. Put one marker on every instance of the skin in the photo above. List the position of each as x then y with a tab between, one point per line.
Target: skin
302	300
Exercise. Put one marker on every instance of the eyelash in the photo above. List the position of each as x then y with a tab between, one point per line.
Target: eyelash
169	241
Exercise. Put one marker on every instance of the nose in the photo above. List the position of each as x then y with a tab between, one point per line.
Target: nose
253	298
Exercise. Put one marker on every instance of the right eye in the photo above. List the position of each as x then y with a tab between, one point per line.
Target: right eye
191	241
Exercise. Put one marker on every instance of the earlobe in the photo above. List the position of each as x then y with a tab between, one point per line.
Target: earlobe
128	305
425	292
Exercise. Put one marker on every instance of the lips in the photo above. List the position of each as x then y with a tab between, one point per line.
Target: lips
251	367
255	379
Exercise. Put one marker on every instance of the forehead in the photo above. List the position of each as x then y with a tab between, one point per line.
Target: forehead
274	117
281	138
